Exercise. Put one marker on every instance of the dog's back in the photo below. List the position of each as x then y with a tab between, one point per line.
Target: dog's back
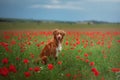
48	50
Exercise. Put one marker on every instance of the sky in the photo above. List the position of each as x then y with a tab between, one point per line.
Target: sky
61	10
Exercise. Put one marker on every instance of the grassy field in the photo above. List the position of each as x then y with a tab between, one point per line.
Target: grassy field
65	26
90	52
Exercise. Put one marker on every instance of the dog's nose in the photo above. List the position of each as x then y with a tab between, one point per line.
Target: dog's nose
59	37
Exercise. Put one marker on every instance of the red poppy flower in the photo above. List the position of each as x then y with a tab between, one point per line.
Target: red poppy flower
36	69
22	50
30	69
66	42
102	78
27	74
4	44
115	69
82	59
85	45
13	42
26	61
68	75
72	48
59	62
98	42
7	37
42	42
78	42
102	43
5	60
118	41
4	71
38	45
104	56
92	63
74	45
92	44
109	46
79	50
19	38
12	68
95	71
83	41
17	58
86	55
31	55
86	60
7	49
77	57
28	42
50	66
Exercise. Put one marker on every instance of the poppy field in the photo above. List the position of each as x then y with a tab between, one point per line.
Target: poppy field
84	56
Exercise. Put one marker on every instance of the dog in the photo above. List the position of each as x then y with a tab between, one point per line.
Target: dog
52	48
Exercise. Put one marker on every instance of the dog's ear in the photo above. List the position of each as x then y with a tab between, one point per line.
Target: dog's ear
63	33
54	31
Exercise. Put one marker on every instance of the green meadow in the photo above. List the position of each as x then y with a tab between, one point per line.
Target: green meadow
60	25
90	51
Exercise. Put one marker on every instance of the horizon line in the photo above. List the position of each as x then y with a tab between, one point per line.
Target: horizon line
60	20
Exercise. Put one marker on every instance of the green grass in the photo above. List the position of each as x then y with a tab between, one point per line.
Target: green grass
49	26
72	56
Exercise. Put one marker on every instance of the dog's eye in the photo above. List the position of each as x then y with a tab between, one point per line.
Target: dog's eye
57	33
60	33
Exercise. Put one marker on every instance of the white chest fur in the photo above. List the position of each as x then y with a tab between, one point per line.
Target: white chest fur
58	49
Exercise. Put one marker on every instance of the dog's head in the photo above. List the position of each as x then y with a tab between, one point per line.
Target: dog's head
58	34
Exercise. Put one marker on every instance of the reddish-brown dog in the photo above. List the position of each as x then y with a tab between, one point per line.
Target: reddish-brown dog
53	48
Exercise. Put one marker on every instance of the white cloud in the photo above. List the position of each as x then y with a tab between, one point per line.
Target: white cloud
58	6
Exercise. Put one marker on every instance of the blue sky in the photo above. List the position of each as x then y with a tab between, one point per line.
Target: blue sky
63	10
